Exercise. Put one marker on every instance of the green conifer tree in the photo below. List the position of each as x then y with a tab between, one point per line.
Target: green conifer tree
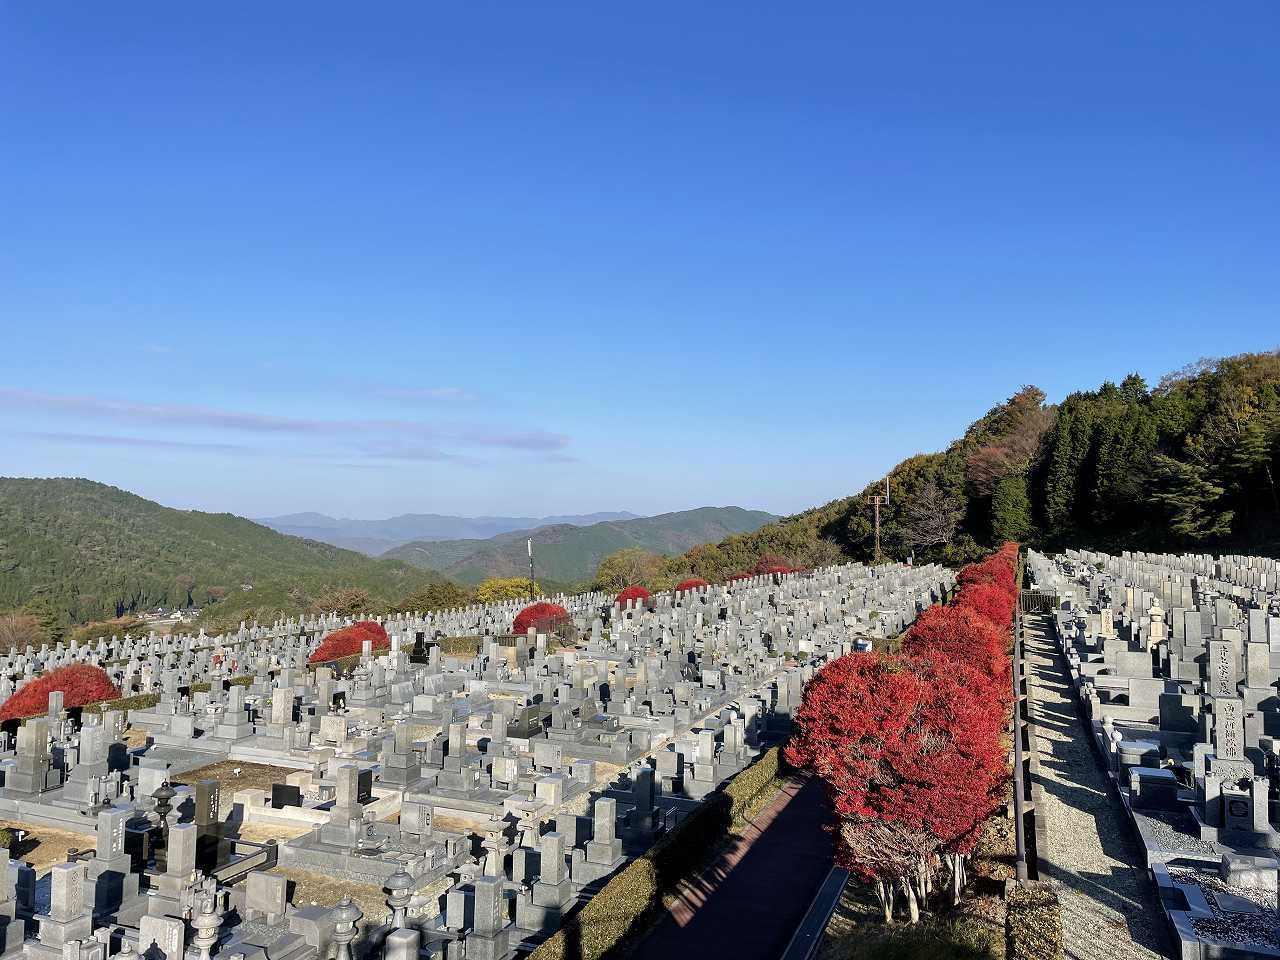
1011	510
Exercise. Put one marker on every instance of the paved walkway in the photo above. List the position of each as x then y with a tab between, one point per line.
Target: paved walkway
748	903
1109	905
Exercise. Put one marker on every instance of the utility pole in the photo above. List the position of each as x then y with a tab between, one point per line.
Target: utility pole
531	586
877	500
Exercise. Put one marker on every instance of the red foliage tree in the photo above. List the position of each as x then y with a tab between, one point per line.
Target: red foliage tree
544	617
349	641
80	683
910	746
769	564
910	752
693	583
633	592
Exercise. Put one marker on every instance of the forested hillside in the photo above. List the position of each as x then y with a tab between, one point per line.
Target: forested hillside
1190	464
570	554
83	550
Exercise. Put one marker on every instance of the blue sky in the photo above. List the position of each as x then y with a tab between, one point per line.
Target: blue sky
548	258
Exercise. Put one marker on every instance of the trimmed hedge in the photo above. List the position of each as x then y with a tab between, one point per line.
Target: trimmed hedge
749	785
626	903
145	701
1033	925
142	701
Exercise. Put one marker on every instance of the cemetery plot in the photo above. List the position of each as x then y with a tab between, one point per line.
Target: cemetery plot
1176	662
467	794
232	776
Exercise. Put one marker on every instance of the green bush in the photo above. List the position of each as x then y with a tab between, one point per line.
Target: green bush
753	782
1033	925
933	938
145	701
142	701
7	839
625	905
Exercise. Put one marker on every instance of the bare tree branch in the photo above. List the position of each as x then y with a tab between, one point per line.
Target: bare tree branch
931	517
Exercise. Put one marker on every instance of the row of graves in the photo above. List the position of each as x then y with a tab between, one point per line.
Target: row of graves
517	779
1176	662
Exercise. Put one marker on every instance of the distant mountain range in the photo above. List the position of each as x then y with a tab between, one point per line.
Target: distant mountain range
565	553
91	551
375	537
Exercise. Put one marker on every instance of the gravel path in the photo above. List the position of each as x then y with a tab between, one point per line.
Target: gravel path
1109	906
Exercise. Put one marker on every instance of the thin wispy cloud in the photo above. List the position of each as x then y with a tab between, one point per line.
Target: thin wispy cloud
156	348
528	440
406	451
437	435
156	443
161	413
425	393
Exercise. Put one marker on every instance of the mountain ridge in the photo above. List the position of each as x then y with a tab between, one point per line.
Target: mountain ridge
375	537
567	553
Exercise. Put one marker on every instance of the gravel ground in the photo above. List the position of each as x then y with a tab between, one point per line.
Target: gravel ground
1109	905
1172	832
1247	929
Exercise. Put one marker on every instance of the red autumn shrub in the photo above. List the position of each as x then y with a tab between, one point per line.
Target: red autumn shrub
910	753
740	575
769	564
634	592
989	600
910	746
80	683
693	583
963	636
349	641
544	617
1000	569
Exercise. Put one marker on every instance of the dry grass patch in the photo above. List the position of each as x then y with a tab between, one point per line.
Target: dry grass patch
309	888
262	832
44	847
136	737
251	776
